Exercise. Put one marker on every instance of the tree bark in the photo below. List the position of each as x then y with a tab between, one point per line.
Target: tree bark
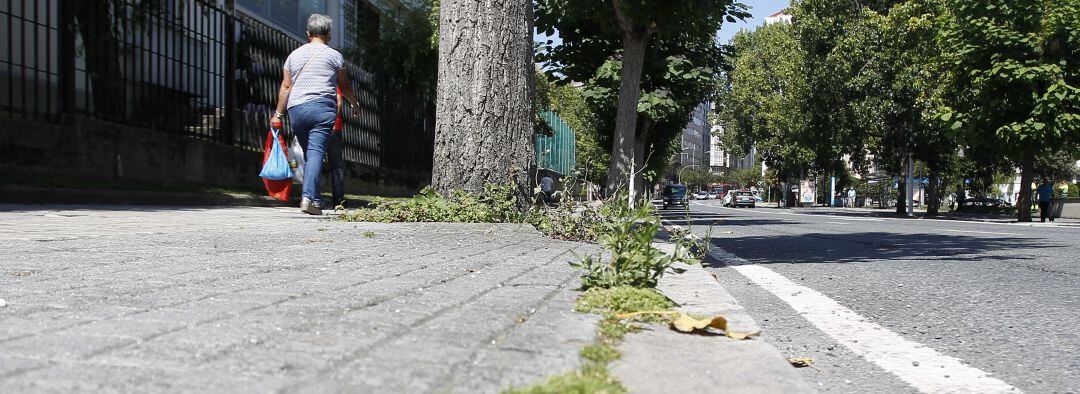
640	153
1023	204
484	113
633	57
933	195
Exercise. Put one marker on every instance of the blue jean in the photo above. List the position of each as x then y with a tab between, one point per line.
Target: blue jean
312	123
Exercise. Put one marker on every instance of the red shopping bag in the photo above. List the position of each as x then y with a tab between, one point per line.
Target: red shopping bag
278	189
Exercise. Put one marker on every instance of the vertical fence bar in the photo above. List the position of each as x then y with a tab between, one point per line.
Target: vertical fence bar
229	103
66	55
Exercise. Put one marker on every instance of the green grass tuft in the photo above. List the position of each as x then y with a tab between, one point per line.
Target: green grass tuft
623	299
592	379
600	353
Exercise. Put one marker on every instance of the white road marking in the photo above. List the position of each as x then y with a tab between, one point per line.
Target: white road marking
919	365
976	232
852	219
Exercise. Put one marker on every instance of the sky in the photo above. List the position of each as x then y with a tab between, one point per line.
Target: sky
759	9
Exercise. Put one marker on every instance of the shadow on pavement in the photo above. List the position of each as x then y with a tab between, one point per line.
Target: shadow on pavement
684	218
879	247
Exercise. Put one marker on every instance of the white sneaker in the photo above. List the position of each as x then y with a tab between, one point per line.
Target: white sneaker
308	207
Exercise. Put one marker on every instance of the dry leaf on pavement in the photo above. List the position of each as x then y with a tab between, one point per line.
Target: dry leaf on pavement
685	323
801	362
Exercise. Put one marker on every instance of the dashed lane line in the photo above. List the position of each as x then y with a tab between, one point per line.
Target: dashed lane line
975	232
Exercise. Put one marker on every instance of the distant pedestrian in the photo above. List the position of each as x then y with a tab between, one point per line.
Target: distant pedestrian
547	186
1046	197
311	75
851	197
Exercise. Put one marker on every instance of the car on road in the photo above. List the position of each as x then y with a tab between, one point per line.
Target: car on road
701	195
740	198
674	194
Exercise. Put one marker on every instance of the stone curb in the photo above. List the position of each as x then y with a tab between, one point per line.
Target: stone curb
659	360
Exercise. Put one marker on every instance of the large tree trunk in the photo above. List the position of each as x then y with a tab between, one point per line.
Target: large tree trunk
1023	204
484	115
633	57
95	20
933	195
641	146
901	196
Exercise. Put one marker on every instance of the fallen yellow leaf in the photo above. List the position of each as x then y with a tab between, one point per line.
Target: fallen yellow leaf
687	323
801	362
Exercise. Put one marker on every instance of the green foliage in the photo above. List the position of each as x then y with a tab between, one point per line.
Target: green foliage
747	177
575	221
1013	72
1012	81
697	178
689	249
495	205
631	260
407	50
764	102
680	61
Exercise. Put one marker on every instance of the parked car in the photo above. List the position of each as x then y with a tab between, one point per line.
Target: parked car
674	194
740	198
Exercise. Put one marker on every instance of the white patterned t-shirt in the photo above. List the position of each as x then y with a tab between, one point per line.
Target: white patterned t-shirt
319	79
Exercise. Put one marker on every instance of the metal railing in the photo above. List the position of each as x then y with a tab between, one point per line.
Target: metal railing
183	67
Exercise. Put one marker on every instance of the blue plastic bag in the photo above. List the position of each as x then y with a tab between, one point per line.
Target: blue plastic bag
276	166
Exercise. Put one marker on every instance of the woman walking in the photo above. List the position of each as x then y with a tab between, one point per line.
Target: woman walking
312	74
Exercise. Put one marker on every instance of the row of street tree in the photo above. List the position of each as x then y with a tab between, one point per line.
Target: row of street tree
642	67
968	88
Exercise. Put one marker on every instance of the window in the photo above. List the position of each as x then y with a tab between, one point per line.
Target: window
288	15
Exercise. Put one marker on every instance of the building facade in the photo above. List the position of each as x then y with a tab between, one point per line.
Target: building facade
695	139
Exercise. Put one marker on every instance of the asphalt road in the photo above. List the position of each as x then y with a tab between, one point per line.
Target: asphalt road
1003	299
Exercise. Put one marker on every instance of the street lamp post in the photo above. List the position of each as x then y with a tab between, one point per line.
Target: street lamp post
681	170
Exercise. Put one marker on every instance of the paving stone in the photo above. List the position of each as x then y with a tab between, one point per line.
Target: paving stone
262	299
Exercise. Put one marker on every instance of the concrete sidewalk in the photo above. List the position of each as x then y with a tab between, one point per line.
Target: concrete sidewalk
266	299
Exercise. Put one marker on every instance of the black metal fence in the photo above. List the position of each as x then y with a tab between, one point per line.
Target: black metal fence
184	67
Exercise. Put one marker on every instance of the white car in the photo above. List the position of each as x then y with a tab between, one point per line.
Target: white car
739	198
701	196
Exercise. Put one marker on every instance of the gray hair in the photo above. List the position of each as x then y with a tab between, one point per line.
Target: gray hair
319	25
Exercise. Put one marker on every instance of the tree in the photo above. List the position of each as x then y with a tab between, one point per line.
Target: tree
593	32
484	114
746	178
1014	79
675	80
762	101
892	67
